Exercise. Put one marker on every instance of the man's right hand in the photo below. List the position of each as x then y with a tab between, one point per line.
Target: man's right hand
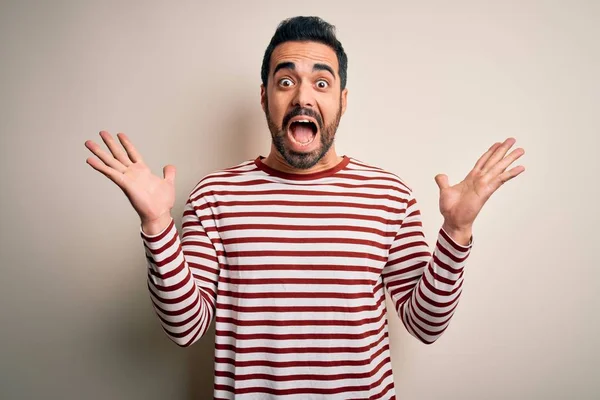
151	196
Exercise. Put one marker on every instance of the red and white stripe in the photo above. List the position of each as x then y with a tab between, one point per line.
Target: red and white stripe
293	269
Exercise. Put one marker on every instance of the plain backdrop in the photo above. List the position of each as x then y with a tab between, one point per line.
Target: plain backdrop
432	85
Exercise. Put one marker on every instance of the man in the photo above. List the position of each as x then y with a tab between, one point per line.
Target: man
292	253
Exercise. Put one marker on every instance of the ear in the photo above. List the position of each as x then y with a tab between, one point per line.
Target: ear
263	97
344	100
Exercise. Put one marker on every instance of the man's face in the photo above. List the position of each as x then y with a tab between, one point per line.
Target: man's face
303	101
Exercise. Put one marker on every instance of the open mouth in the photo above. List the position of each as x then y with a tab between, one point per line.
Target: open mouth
303	131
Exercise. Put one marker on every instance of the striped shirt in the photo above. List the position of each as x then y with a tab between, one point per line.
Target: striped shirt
293	268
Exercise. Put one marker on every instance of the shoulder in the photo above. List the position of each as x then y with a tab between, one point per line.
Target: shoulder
236	175
374	172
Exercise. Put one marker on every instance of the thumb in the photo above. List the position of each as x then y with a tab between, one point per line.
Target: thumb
442	181
169	173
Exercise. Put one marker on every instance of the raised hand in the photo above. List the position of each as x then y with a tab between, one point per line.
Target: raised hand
151	196
461	203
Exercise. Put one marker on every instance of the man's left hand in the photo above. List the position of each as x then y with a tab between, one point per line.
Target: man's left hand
460	204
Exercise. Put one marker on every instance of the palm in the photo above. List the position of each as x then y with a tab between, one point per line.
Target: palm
460	204
150	195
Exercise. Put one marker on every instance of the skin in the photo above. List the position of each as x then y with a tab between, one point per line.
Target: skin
288	88
305	87
460	204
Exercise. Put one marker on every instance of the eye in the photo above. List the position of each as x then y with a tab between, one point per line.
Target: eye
286	82
322	84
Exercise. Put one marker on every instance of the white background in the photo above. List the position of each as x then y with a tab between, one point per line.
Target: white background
431	86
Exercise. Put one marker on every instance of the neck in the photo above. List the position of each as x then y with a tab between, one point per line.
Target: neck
276	161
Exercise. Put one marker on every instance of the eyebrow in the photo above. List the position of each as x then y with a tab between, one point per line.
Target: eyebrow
284	65
323	67
292	66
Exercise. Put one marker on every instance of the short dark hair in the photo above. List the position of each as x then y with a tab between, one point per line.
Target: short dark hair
300	29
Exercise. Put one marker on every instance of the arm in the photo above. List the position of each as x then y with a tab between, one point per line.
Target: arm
182	277
182	273
424	288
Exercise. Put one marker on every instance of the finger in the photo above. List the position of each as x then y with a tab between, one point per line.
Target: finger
169	173
499	154
506	161
511	173
442	181
107	158
111	173
132	152
115	149
483	159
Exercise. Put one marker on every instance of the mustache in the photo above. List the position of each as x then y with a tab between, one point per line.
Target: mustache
308	112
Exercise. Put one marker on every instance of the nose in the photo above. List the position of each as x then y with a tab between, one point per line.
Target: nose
303	97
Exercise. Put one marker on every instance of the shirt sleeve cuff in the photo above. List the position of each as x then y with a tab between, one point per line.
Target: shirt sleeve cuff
159	236
454	244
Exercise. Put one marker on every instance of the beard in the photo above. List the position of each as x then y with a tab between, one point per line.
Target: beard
302	160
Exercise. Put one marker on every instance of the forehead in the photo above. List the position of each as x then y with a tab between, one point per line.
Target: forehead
304	54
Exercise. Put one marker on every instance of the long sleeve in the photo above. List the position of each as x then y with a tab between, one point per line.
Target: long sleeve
425	288
182	277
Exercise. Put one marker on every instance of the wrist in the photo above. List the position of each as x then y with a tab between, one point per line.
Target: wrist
461	235
155	226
